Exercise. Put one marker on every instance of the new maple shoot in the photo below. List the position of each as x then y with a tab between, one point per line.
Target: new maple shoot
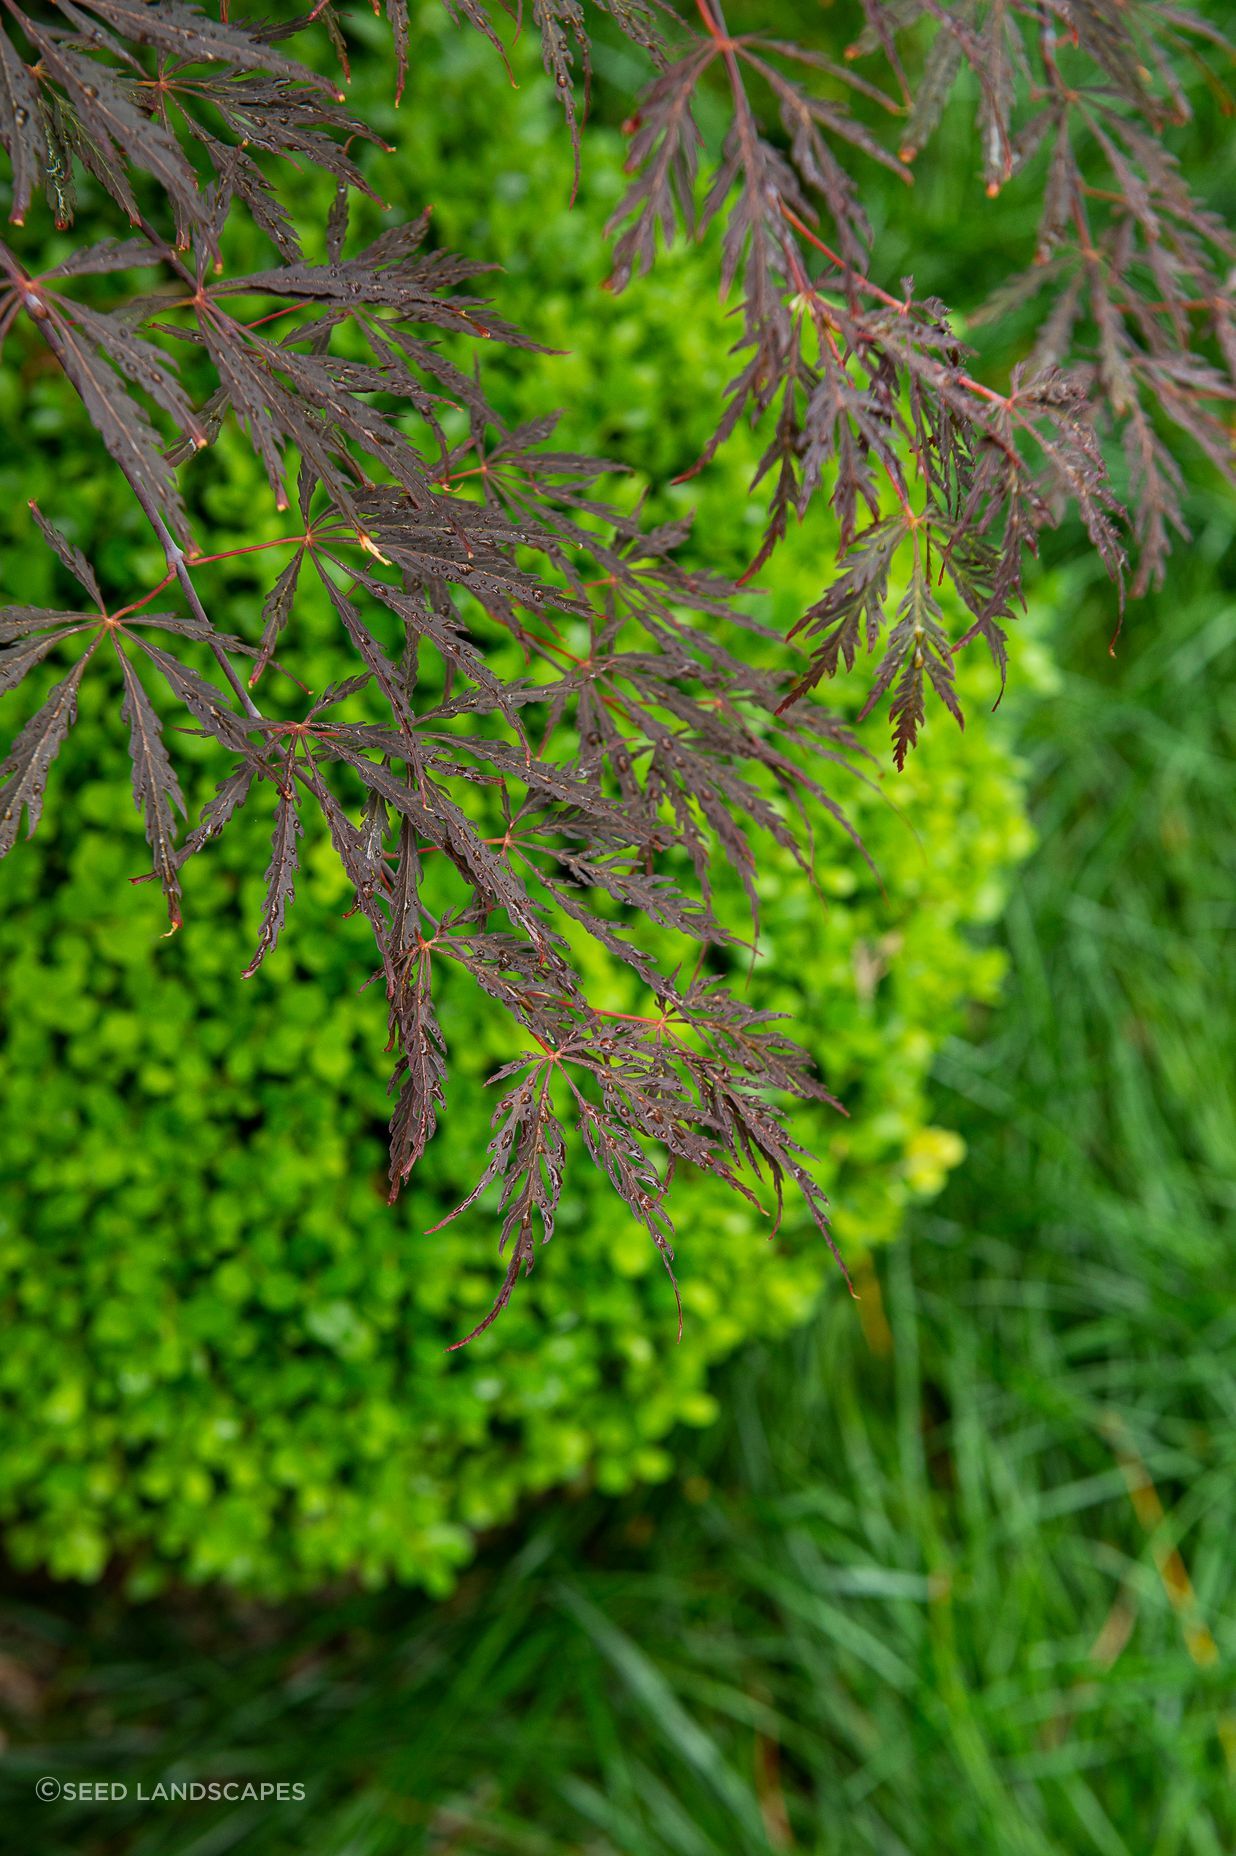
490	820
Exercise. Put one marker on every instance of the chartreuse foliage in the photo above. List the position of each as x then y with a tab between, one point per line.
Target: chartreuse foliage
225	1351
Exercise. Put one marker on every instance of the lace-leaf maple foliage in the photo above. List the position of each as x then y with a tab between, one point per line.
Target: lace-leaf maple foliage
503	825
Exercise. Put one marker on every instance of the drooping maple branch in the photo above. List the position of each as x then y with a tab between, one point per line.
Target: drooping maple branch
667	737
179	566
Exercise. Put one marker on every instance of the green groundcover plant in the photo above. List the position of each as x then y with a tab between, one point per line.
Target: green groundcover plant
224	1348
569	782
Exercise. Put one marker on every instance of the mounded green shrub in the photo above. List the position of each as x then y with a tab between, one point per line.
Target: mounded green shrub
224	1353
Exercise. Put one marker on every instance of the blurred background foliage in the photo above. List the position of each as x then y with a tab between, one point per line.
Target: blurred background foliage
950	1569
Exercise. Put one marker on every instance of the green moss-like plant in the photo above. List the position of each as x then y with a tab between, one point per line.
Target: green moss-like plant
224	1351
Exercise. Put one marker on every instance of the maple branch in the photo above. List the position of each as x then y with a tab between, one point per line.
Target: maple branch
669	756
179	565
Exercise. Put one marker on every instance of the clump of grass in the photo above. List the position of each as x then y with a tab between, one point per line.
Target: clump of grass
958	1577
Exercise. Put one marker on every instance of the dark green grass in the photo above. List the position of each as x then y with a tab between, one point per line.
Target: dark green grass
961	1583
